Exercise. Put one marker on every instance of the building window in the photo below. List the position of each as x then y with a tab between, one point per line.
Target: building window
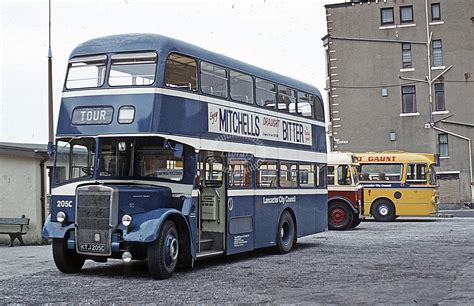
437	53
406	14
408	99
440	104
406	56
386	15
443	145
435	11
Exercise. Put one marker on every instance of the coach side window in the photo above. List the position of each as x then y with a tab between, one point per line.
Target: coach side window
288	174
322	175
240	173
318	108
213	80
241	87
267	174
330	175
305	104
181	72
286	99
265	93
307	175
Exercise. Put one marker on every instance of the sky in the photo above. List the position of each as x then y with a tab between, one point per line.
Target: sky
282	36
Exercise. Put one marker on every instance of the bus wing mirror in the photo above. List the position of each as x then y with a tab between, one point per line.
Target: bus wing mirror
51	148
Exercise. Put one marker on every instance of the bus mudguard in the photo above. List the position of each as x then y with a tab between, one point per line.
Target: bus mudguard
146	226
55	229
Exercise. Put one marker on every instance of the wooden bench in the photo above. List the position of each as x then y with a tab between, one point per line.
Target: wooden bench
14	234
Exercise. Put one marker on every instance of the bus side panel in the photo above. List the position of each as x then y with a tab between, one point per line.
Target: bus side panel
266	220
240	224
312	214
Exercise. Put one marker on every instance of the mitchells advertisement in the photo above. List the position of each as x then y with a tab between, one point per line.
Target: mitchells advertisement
249	124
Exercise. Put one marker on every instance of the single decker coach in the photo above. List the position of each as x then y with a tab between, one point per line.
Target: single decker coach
168	152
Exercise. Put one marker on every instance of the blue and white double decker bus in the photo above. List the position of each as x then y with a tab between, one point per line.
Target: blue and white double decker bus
168	152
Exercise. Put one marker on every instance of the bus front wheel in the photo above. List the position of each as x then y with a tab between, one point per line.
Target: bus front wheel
163	252
286	235
383	211
67	261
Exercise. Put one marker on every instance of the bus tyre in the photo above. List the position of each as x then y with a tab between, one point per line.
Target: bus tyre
286	235
340	217
356	221
383	211
67	261
163	252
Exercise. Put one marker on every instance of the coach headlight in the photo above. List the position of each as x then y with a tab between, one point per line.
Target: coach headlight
61	217
126	220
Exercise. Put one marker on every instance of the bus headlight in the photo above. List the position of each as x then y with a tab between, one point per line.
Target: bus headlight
126	220
61	217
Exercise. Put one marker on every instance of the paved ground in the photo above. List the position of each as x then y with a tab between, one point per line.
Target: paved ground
408	261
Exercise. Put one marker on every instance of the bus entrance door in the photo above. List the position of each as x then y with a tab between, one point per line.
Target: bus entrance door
212	204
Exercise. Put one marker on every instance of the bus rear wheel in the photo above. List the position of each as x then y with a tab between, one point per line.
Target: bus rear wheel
163	252
383	211
340	217
67	261
286	235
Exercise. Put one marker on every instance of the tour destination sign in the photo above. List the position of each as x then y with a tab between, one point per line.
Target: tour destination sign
249	124
92	115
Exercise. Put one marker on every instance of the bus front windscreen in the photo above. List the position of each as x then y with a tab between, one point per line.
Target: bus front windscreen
144	158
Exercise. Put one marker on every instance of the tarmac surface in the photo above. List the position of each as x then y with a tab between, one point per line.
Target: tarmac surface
429	260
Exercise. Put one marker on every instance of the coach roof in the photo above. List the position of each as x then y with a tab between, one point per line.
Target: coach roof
164	45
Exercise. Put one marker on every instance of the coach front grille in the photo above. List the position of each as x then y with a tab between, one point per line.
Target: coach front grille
93	213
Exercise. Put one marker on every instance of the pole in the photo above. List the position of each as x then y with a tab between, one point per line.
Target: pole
50	86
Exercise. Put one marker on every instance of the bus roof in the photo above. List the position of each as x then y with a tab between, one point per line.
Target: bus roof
341	158
164	45
395	157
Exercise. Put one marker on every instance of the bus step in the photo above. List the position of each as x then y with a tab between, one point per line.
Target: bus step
210	253
206	244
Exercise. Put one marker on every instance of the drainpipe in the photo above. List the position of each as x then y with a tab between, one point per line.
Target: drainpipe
428	48
470	155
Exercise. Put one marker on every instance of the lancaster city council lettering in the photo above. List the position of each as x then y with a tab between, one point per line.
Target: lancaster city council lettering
250	124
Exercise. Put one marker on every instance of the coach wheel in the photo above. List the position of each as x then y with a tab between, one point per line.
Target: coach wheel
383	210
67	261
163	252
340	217
286	233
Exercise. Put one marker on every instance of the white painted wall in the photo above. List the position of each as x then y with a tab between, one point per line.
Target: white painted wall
20	193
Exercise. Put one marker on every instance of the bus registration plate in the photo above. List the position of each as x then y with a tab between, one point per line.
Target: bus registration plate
93	248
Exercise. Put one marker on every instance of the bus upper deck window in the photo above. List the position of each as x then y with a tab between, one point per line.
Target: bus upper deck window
305	104
318	108
181	72
265	93
86	72
286	99
213	80
241	87
133	69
